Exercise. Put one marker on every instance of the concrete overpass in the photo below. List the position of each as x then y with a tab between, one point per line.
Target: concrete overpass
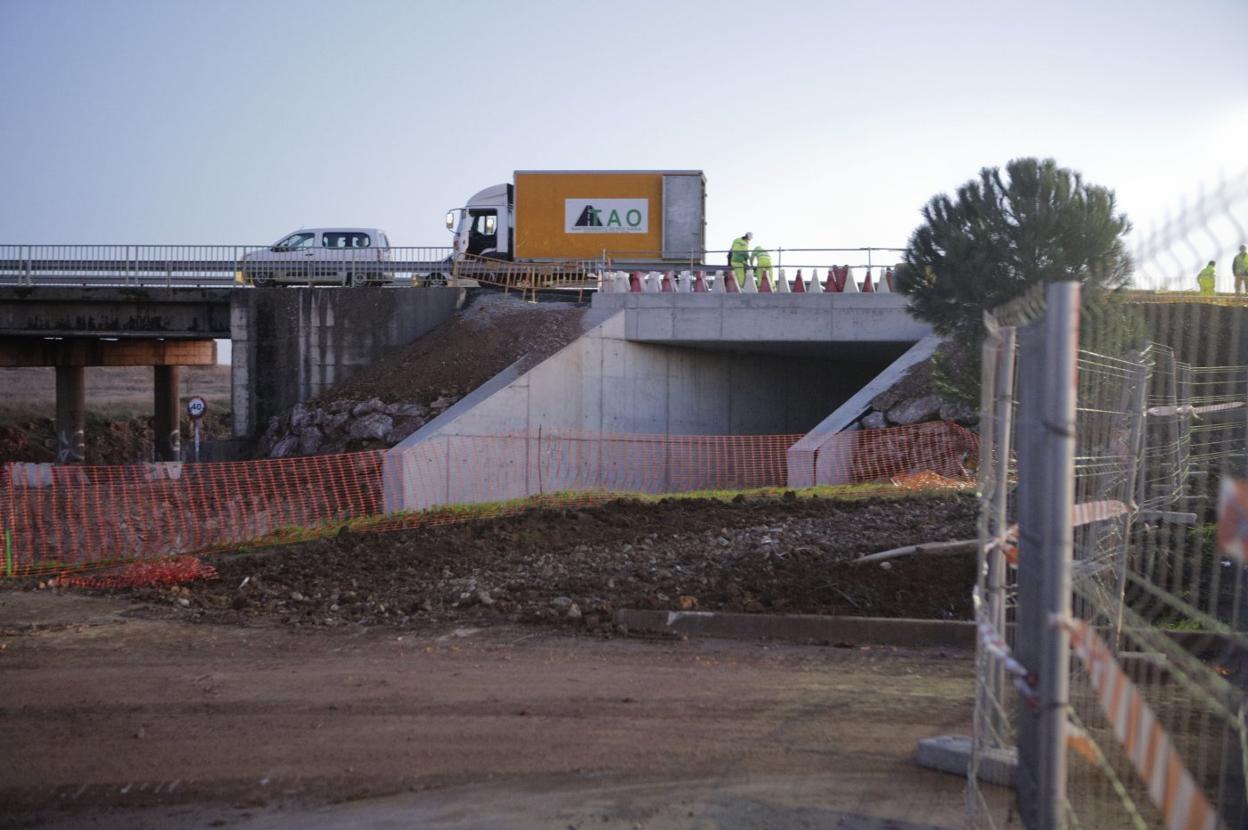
289	344
70	329
673	364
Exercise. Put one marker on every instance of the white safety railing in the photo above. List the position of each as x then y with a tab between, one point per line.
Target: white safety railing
217	265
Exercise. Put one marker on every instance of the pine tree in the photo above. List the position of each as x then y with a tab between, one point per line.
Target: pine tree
1001	234
1037	223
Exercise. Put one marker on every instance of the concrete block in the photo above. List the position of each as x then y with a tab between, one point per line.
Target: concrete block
952	754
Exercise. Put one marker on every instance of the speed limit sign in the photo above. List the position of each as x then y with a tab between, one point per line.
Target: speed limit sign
196	407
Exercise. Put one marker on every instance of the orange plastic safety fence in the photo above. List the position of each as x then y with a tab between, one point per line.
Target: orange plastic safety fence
161	573
939	447
63	517
77	518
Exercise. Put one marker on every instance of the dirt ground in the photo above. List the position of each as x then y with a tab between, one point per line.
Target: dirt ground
576	566
108	720
492	332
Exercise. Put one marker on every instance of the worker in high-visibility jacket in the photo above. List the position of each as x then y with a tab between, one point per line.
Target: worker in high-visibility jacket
1239	268
762	266
739	256
1206	279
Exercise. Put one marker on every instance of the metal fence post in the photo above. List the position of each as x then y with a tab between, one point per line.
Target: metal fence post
1132	487
1056	533
1046	443
1004	388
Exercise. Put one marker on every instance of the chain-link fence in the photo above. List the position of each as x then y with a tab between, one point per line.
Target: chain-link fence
1112	674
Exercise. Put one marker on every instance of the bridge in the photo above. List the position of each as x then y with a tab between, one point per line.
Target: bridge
288	344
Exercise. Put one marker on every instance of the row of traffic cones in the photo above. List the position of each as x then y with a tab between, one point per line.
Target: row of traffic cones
840	280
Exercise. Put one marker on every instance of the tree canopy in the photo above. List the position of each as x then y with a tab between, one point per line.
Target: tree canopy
1004	232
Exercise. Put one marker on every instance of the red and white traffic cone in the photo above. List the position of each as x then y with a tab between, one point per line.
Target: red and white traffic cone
832	285
850	285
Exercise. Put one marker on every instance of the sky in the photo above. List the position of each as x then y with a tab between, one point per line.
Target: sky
818	124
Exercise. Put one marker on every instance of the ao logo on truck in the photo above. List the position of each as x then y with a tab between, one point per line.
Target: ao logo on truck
606	215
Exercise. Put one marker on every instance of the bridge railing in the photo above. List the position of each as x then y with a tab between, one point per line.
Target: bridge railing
211	265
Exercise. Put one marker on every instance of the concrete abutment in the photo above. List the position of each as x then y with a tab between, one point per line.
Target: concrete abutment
292	344
657	365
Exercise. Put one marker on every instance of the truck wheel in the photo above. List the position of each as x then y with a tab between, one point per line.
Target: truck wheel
435	280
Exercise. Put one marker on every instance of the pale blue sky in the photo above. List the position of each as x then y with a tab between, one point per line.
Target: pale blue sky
817	123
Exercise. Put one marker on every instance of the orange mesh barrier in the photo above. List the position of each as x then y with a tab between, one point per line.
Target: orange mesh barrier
75	518
69	516
940	447
160	573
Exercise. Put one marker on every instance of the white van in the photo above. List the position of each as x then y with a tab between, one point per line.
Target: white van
324	256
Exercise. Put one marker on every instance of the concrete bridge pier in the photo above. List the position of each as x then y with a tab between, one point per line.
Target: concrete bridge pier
71	355
167	428
71	414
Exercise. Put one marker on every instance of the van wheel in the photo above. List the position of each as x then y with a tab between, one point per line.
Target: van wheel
435	281
260	279
357	280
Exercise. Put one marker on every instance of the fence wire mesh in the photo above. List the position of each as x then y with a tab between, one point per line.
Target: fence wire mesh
1155	732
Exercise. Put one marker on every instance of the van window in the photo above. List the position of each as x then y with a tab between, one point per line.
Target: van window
296	240
345	239
385	242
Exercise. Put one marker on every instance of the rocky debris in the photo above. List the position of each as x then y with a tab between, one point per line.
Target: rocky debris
343	425
914	400
915	410
384	403
367	407
285	447
575	567
874	420
310	440
372	424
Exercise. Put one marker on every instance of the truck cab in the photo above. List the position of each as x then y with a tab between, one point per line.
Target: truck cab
485	227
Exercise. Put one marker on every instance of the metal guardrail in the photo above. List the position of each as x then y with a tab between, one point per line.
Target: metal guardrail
226	265
809	258
215	265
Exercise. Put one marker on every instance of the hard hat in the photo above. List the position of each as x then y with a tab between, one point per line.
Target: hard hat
749	235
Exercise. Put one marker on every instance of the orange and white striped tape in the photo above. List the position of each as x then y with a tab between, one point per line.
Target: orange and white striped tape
995	646
1232	533
1196	411
1170	786
1081	514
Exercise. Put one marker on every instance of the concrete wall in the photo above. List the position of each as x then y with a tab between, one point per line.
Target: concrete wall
806	464
291	344
747	319
64	311
604	384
